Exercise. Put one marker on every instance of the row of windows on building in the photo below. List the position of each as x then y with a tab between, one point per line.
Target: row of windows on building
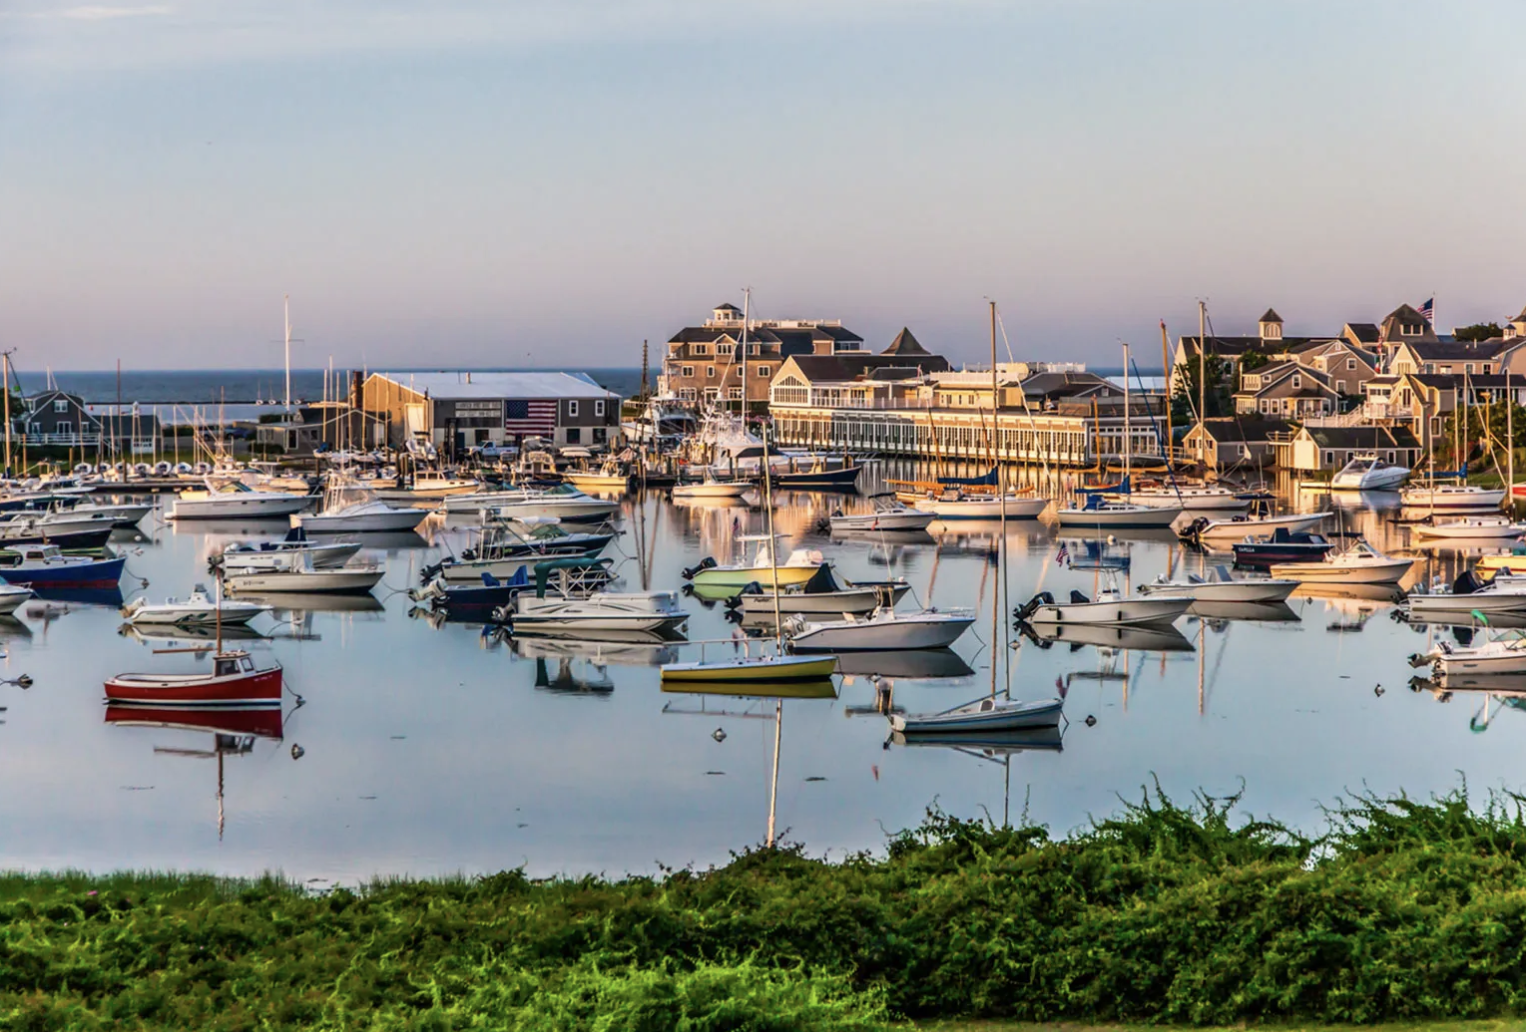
893	436
761	372
721	350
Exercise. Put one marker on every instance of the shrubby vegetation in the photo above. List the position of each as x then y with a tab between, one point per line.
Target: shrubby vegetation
1164	913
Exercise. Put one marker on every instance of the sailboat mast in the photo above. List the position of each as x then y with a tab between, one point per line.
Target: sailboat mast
773	559
286	308
5	358
746	317
1202	384
1001	492
1128	426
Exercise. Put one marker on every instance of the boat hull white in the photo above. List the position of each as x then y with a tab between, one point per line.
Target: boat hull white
366	523
918	631
1122	518
850	600
985	715
1224	591
908	520
1390	572
336	582
252	505
1123	611
1231	531
1018	507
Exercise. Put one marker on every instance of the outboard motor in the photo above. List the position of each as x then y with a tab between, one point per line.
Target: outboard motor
1194	530
751	588
708	562
1028	608
430	572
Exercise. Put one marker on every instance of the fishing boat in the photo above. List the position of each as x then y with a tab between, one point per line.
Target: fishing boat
884	630
278	572
540	613
764	568
45	566
1451	496
1281	546
503	549
198	608
1220	586
116	517
1109	607
821	594
234	680
31	530
987	713
1367	472
1359	564
362	517
1098	514
889	514
1211	532
563	502
232	499
1469	528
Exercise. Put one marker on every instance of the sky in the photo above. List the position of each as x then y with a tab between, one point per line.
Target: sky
549	182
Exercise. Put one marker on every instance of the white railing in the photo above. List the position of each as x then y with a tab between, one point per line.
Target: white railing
71	440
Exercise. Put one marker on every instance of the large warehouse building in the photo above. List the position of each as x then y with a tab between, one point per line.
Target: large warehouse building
466	409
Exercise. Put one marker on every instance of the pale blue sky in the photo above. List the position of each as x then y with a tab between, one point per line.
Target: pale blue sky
507	183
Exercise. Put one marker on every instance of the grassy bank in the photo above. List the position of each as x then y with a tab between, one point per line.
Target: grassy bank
1401	912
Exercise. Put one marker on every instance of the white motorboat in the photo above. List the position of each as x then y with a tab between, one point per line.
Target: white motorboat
1367	472
428	487
1099	514
1467	594
960	504
295	572
564	502
232	499
712	488
884	630
1496	656
987	713
610	477
540	613
366	517
11	597
1451	496
257	554
1189	497
1227	532
1110	607
888	514
197	609
121	517
1469	528
1220	586
1359	564
822	594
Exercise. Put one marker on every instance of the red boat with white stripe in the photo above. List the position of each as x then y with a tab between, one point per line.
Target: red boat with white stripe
234	680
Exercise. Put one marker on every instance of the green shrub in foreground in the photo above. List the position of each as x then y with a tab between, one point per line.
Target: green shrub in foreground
1403	910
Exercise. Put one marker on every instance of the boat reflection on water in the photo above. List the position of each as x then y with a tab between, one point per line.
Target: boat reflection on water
1249	612
234	730
989	745
572	676
12	628
905	664
390	542
883	538
1134	639
824	688
636	648
172	636
295	604
1352	605
79	596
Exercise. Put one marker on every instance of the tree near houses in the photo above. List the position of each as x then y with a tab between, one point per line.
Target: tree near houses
1478	331
1185	401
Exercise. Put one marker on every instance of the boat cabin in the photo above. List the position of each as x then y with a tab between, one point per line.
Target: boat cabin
30	554
231	664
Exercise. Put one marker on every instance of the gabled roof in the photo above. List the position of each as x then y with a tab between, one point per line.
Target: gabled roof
1234	347
1243	429
847	367
727	307
1364	332
905	344
1459	351
1362	438
1271	316
1066	384
449	386
1408	313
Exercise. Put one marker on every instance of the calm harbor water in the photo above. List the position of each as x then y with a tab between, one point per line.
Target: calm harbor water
425	749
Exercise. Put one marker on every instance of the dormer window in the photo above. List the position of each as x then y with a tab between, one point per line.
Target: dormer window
61	405
1411	329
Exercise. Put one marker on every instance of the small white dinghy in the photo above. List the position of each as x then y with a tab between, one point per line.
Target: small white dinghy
884	630
712	488
1497	656
889	514
1227	532
1110	607
198	609
987	713
1220	586
296	572
1465	595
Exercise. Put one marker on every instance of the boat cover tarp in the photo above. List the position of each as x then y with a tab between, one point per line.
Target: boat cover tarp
986	479
821	582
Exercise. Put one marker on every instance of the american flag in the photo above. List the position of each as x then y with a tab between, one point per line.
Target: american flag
1429	310
529	417
1062	555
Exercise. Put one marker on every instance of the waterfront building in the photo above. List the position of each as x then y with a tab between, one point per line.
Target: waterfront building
55	417
1424	402
1235	443
460	410
1345	365
1286	390
1060	415
703	363
1320	450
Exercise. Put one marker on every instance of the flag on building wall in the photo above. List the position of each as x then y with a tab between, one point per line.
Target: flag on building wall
529	417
